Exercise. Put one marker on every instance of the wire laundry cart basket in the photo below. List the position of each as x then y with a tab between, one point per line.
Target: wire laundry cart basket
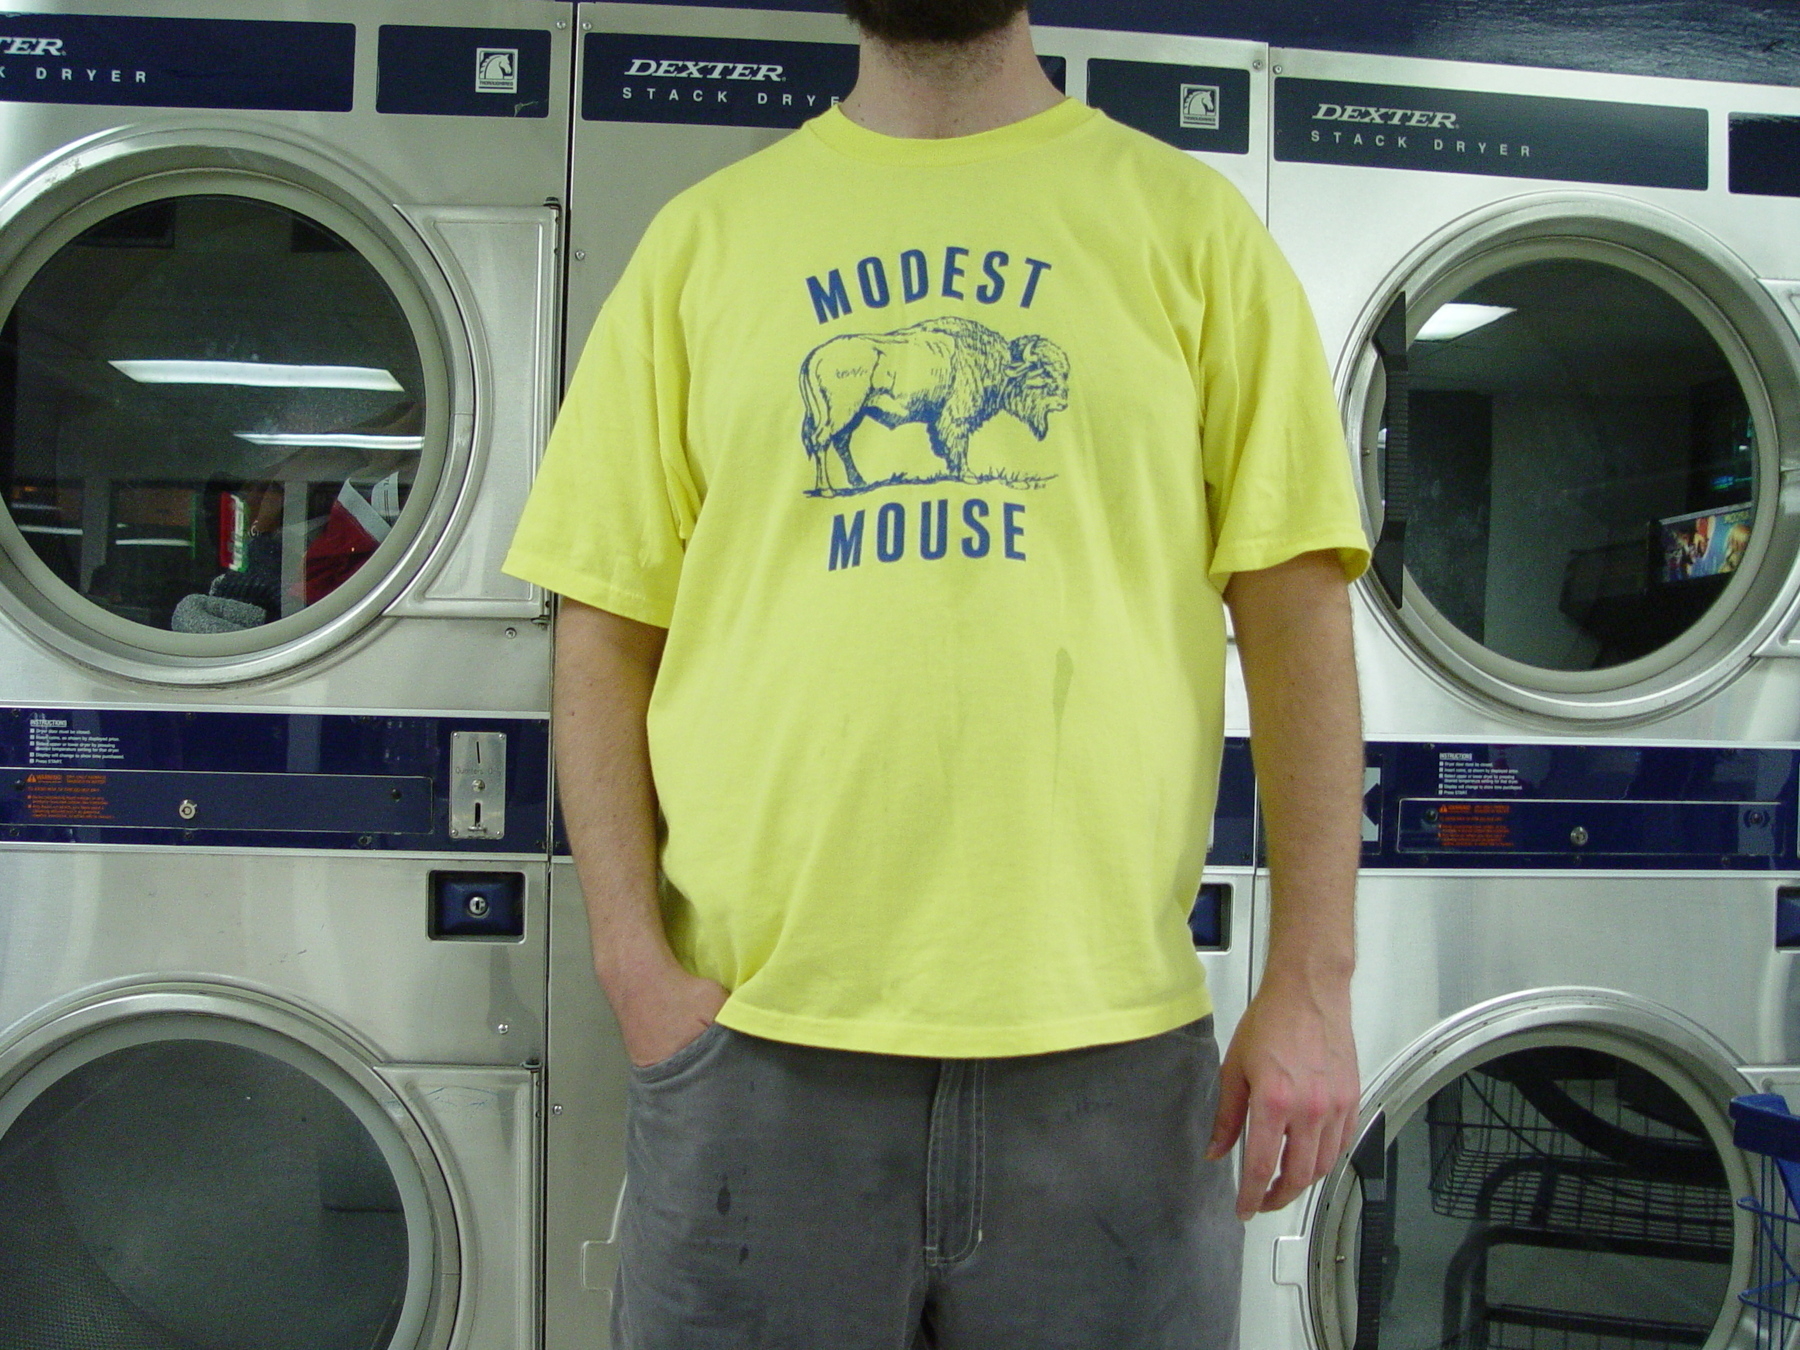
1763	1125
1558	1156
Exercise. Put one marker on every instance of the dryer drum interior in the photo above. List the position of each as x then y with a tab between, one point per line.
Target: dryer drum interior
222	416
184	1183
1571	443
1562	1189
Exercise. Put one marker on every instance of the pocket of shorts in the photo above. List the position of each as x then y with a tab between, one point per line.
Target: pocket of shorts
688	1055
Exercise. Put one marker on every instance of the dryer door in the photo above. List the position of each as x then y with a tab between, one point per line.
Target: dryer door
192	1181
232	411
1569	427
1562	1176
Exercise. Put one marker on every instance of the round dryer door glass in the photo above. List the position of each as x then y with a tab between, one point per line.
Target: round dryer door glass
1551	1195
212	414
1583	464
195	1195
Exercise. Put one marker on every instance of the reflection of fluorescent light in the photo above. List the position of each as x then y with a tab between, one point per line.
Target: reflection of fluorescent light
333	440
1452	321
262	374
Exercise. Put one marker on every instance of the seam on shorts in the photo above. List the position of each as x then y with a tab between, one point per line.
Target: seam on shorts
939	1208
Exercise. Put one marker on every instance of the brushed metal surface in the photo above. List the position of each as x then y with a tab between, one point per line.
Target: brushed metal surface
1725	690
585	1081
481	195
1643	955
485	1123
341	937
506	261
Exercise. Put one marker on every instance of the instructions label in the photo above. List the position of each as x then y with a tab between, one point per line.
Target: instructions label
1460	774
51	740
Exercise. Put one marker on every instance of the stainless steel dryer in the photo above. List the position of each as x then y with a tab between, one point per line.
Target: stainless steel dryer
666	95
278	343
1561	310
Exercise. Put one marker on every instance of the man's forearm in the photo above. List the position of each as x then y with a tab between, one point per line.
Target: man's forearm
605	669
1306	733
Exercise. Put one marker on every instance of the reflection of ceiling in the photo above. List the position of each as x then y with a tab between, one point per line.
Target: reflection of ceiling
1581	328
305	330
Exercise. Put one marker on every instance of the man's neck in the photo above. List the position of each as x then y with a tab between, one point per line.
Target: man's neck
933	90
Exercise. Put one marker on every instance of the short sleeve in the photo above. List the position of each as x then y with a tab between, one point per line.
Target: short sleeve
614	502
1278	477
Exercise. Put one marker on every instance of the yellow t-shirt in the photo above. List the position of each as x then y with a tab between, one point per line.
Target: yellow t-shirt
933	456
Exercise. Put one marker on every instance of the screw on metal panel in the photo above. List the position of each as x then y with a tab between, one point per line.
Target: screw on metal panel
501	1028
365	841
512	632
1256	64
1431	815
1277	69
188	810
477	906
478	785
561	24
394	793
556	1108
580	255
1578	836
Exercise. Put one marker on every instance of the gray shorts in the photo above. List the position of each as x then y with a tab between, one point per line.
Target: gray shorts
785	1197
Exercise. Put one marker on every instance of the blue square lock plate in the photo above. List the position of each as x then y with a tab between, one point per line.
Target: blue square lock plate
478	905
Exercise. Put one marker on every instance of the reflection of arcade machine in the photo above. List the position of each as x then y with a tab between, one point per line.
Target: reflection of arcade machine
274	762
1569	365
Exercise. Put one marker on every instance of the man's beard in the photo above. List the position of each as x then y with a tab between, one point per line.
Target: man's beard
931	20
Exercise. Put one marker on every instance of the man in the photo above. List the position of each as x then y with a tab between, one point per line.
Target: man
891	508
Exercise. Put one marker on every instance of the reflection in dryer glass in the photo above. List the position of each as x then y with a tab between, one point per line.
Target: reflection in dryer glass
192	1195
1583	465
1555	1197
210	413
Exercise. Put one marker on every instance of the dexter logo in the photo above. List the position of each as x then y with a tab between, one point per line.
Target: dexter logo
703	70
24	46
1392	117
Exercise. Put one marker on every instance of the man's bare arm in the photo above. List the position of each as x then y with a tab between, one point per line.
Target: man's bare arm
1291	1067
605	668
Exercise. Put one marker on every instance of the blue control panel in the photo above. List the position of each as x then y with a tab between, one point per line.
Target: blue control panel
1614	806
266	780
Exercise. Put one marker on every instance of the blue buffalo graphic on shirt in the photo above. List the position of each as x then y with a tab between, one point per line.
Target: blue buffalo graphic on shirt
951	374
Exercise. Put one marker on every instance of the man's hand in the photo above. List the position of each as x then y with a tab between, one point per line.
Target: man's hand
1292	1069
657	1017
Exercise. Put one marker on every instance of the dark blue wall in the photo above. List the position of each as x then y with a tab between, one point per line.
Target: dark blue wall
1757	41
